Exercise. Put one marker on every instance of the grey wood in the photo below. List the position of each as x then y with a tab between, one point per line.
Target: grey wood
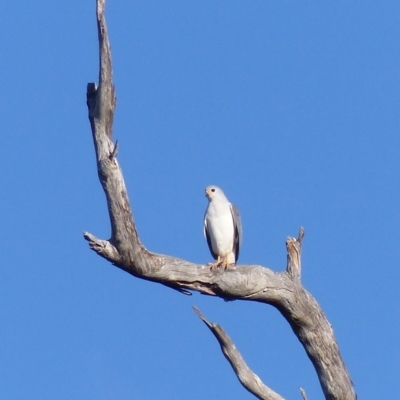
246	376
282	290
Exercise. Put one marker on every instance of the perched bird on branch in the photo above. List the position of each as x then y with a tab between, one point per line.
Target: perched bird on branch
222	228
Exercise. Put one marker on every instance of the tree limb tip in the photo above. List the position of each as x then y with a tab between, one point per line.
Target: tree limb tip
246	376
303	394
202	317
102	247
293	247
301	235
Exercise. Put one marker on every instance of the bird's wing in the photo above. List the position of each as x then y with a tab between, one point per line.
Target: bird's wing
237	225
207	234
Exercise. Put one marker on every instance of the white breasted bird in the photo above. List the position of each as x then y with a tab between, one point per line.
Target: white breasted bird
222	228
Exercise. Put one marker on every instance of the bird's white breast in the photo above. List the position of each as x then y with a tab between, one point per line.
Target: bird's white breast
220	226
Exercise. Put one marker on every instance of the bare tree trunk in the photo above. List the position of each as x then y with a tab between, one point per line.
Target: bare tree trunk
251	282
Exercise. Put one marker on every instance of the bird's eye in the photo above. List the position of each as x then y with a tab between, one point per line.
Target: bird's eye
213	190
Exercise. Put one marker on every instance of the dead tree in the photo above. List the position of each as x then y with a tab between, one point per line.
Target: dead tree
282	290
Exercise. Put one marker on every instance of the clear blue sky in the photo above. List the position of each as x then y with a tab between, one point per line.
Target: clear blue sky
293	109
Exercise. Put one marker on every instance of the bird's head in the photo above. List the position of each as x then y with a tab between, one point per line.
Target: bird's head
214	192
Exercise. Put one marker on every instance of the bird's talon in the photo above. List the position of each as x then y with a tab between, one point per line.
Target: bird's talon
214	265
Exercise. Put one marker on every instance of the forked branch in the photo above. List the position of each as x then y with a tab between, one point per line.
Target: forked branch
282	290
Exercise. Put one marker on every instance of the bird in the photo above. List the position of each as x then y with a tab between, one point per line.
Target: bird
222	228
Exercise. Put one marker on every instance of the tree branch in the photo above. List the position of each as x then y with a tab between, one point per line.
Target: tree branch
303	394
256	283
246	376
293	247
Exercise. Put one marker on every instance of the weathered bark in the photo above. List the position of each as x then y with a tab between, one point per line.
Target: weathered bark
282	290
245	375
